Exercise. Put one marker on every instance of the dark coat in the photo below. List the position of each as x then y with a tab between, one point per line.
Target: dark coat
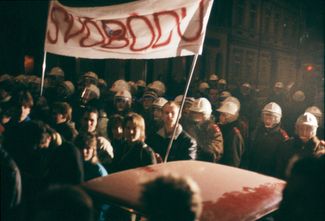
184	147
294	149
234	144
262	151
133	155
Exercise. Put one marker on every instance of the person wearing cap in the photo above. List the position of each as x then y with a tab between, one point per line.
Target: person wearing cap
319	116
233	141
185	118
206	133
156	113
203	90
278	94
122	103
159	87
249	110
294	108
55	76
222	85
88	78
184	146
304	143
144	106
213	81
265	140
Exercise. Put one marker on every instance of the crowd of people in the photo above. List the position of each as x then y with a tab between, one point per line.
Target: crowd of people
75	132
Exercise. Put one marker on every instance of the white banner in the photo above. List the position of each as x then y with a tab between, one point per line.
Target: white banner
138	30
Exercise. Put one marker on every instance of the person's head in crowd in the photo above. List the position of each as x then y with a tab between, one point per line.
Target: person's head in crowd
317	113
171	197
229	112
6	87
134	128
304	194
63	203
89	120
55	76
213	80
306	126
245	89
170	113
90	93
65	90
298	96
87	144
224	95
34	85
200	110
203	88
123	100
141	85
87	79
61	112
278	87
271	115
37	134
23	106
148	98
187	104
102	85
157	106
158	87
213	95
222	85
119	85
115	127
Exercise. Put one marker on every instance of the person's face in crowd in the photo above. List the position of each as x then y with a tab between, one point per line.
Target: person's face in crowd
170	113
117	131
277	90
269	120
157	113
131	132
223	118
305	132
23	112
89	121
121	104
88	152
59	118
197	117
3	94
147	102
245	90
213	95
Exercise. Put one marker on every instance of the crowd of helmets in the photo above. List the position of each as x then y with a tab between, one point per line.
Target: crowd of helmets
211	101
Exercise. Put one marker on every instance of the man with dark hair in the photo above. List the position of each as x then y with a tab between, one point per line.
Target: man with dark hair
171	198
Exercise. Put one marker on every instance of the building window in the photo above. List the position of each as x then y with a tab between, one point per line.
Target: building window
240	13
252	15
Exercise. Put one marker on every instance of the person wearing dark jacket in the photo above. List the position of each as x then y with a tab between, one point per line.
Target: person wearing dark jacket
304	144
261	154
206	132
184	146
133	152
234	144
